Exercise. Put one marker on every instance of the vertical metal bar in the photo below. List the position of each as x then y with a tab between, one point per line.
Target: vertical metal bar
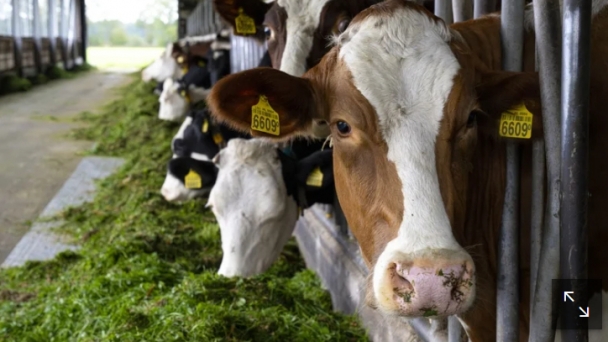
454	329
507	304
576	58
17	38
37	45
537	211
443	9
52	34
483	7
462	10
422	327
83	30
547	22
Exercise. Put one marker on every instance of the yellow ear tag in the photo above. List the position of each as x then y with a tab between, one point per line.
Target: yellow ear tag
244	23
217	138
264	118
180	59
516	123
315	178
193	180
205	126
185	95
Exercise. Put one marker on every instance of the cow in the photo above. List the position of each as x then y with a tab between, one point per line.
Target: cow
256	197
170	65
190	172
162	68
415	108
177	96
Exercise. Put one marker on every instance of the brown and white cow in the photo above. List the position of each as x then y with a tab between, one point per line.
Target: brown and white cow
414	109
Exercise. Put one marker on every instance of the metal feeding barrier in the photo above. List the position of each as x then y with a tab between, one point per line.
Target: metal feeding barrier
559	226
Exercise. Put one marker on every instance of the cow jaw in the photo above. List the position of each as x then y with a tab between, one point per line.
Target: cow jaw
250	202
423	271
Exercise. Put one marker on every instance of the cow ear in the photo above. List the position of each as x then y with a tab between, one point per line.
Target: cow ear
176	49
502	91
266	102
229	10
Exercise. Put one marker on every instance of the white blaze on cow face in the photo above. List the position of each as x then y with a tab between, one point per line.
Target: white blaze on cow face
249	200
173	106
162	68
303	18
383	54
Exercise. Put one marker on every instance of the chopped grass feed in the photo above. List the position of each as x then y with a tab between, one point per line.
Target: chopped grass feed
147	268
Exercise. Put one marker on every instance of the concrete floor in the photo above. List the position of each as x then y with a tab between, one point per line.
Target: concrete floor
36	157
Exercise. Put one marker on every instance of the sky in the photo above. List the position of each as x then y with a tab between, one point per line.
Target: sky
128	11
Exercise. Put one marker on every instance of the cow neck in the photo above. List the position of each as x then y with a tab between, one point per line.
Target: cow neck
289	166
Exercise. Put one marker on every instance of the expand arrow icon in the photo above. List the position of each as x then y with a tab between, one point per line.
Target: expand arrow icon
585	313
567	295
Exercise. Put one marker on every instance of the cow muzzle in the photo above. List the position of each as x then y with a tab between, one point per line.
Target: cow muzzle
428	283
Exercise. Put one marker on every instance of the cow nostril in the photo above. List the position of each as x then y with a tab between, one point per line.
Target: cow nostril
401	285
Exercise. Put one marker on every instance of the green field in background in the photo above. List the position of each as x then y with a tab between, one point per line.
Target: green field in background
122	57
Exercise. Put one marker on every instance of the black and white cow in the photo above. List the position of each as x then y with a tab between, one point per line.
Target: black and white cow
193	87
190	172
256	197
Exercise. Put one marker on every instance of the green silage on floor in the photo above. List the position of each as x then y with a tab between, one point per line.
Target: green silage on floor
146	270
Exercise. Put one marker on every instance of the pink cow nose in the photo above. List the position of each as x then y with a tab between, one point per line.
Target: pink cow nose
431	291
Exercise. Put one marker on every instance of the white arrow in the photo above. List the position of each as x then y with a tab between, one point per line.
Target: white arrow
567	295
585	313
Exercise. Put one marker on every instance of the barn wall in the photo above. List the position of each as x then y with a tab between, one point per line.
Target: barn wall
35	34
246	53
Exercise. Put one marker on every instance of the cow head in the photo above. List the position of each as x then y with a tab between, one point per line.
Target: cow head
197	141
406	106
249	200
174	100
164	67
256	197
188	178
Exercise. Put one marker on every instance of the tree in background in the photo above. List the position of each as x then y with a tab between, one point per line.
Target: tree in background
156	26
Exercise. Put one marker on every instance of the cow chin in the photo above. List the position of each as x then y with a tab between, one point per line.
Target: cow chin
250	248
424	283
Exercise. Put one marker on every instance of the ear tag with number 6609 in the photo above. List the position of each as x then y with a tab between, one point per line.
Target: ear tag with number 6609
264	118
516	123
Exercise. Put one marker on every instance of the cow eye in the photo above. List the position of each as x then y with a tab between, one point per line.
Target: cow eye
472	120
267	32
343	127
343	25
